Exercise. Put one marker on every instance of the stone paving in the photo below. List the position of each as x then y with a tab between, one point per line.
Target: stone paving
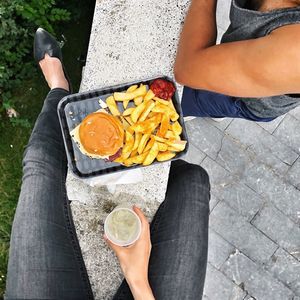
254	242
254	238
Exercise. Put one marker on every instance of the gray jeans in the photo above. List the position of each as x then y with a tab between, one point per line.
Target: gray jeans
45	260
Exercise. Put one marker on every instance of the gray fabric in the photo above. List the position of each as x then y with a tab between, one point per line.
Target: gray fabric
45	260
250	24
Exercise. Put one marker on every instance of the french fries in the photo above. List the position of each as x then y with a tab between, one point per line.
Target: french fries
162	101
176	128
151	155
150	95
138	137
129	142
137	112
164	125
141	91
147	126
112	105
150	144
149	106
125	103
166	155
143	143
128	111
162	147
152	129
179	145
132	88
138	100
129	90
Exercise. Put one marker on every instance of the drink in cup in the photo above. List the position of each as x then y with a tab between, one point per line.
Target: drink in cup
122	226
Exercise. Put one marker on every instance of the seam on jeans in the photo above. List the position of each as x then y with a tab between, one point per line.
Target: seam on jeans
75	244
155	222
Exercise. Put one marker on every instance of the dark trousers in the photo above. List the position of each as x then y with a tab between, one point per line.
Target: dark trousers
207	104
45	260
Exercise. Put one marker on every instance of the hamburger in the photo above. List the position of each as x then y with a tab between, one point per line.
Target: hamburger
99	135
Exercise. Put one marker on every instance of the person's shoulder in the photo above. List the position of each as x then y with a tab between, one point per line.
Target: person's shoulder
288	33
287	38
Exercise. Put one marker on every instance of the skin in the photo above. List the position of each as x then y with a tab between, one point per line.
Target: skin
261	67
53	72
134	260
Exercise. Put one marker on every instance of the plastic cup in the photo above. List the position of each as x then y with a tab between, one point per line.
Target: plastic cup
123	226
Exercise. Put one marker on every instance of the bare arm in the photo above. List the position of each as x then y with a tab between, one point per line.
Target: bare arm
134	261
253	68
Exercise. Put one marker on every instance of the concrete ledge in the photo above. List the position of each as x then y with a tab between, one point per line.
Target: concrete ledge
130	40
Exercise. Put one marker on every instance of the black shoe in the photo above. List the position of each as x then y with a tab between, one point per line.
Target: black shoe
44	43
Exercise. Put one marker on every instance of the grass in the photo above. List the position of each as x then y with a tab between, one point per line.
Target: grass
28	102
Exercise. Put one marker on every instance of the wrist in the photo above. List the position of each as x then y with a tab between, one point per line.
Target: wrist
140	289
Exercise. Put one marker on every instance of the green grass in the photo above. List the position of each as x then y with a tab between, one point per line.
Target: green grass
28	102
13	141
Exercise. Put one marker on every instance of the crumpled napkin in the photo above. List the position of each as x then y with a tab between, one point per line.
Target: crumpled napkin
111	180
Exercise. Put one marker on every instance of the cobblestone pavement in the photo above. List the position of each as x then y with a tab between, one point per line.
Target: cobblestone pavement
254	242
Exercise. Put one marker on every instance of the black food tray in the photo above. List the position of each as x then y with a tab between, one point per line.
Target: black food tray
72	109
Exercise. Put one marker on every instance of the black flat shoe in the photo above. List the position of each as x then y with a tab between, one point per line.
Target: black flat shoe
44	43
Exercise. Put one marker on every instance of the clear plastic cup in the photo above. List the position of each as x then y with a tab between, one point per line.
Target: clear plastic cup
123	226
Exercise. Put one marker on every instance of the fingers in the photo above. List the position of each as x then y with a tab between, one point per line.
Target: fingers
145	223
114	247
140	214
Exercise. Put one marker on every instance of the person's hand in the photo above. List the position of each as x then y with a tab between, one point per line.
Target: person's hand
134	260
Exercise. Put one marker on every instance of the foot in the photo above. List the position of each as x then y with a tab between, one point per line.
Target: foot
53	72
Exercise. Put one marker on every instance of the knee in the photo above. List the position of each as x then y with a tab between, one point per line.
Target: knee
192	179
190	171
201	174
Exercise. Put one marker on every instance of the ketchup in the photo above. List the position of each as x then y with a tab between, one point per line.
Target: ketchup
163	89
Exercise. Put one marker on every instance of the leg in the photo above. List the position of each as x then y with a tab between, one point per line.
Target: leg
200	103
179	234
45	261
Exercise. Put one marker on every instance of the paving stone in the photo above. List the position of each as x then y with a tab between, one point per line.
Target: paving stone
257	282
207	137
249	298
288	132
222	125
279	228
295	112
284	196
214	200
233	157
293	175
234	228
252	135
271	126
218	249
217	286
285	268
243	199
219	177
261	156
194	155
